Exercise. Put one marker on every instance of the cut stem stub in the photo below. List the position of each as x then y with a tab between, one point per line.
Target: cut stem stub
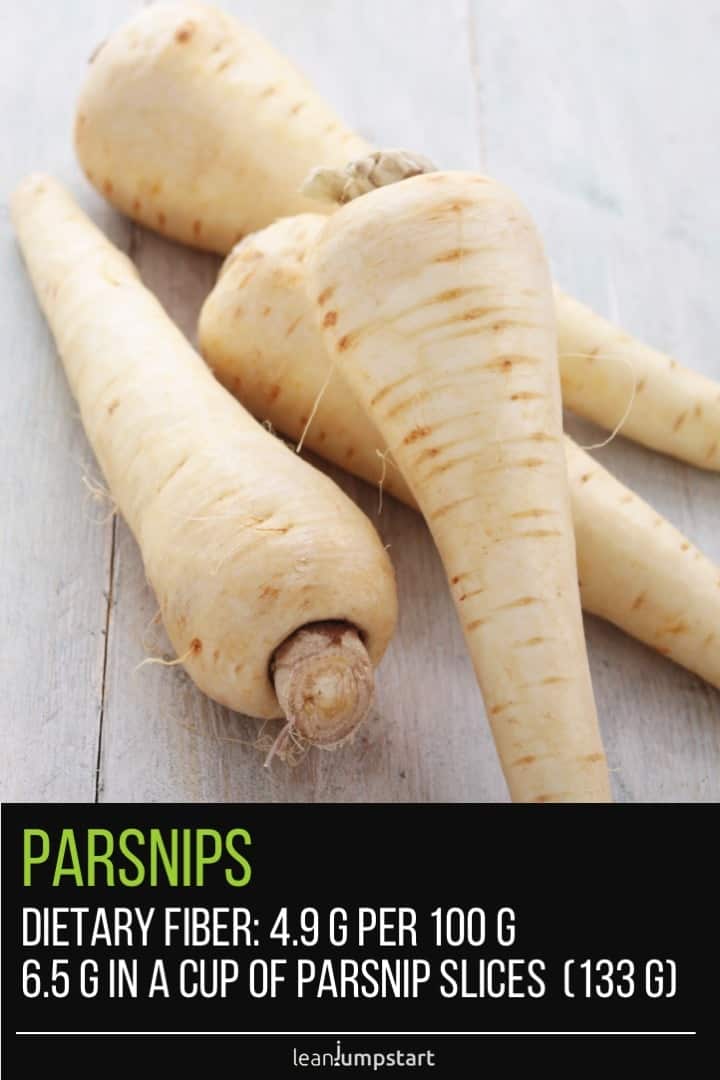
324	681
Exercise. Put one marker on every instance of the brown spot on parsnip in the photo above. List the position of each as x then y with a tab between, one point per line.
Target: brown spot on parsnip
417	433
527	760
136	206
350	453
592	758
712	450
196	646
507	362
685	546
628	498
679	627
112	406
297	107
431	452
525	395
697	411
185	32
274	392
266	310
708	640
663	650
585	477
452	255
529	643
680	421
469	595
475	624
268	91
269	592
156	188
641	386
521	601
448	507
161	219
345	342
108	187
446	466
531	513
540	534
330	318
293	326
673	364
495	710
639	601
325	295
197	227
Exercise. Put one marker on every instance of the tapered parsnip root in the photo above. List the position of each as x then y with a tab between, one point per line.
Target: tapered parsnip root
195	126
324	683
243	543
604	370
258	332
434	297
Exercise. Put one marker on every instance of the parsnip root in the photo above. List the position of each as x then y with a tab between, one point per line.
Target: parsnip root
242	542
434	298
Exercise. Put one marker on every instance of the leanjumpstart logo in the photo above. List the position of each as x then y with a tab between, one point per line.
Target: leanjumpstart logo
339	1058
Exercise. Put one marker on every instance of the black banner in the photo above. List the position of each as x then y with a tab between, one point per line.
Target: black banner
344	930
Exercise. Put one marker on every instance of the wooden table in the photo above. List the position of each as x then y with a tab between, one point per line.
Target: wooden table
605	118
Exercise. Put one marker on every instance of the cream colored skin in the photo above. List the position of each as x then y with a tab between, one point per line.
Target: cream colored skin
435	302
641	573
243	543
195	126
603	369
259	334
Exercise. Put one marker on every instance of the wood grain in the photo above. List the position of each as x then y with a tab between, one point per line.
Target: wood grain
619	164
55	540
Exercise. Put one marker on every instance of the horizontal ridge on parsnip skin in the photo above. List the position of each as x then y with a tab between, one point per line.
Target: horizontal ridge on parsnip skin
259	334
252	128
247	547
480	386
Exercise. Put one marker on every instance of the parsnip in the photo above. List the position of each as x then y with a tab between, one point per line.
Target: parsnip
181	120
259	334
435	301
604	370
257	560
194	126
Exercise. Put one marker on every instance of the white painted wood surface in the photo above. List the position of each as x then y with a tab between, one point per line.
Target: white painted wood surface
604	117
